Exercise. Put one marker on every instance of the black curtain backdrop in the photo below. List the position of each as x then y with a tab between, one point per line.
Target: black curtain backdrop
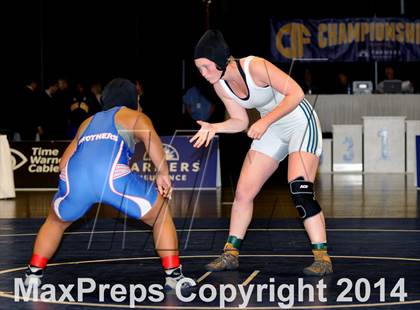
97	40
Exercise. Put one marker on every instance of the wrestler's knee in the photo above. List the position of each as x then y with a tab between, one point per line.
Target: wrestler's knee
303	197
53	219
244	194
157	213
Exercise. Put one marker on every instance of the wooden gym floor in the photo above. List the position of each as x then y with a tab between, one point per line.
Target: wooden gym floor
373	223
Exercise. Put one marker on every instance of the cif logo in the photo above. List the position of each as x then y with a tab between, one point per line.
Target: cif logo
291	38
170	153
18	159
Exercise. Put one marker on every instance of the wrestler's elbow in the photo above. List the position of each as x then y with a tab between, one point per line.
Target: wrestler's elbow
240	124
300	94
62	164
245	123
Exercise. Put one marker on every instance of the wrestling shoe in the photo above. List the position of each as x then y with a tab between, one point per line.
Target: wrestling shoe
33	276
229	260
320	267
174	276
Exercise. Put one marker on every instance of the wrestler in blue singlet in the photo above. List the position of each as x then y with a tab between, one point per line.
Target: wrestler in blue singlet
99	172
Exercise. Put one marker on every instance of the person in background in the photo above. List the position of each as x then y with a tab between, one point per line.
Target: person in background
53	117
28	125
198	106
389	75
343	84
308	85
94	98
140	92
79	109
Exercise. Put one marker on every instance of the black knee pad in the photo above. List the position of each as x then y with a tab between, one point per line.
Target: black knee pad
302	193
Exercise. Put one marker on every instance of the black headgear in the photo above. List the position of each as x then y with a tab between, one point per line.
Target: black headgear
212	46
119	92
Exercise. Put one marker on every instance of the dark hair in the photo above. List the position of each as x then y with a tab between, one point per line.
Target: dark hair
119	92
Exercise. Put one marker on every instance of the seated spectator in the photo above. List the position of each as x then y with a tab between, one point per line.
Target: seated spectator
343	84
404	87
308	85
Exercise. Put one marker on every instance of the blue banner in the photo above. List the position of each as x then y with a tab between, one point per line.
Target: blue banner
36	164
350	39
189	168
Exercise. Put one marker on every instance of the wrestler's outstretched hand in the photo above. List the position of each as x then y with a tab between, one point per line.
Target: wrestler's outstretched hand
204	135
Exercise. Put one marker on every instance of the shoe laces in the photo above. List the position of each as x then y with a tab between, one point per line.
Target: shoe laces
223	258
319	265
